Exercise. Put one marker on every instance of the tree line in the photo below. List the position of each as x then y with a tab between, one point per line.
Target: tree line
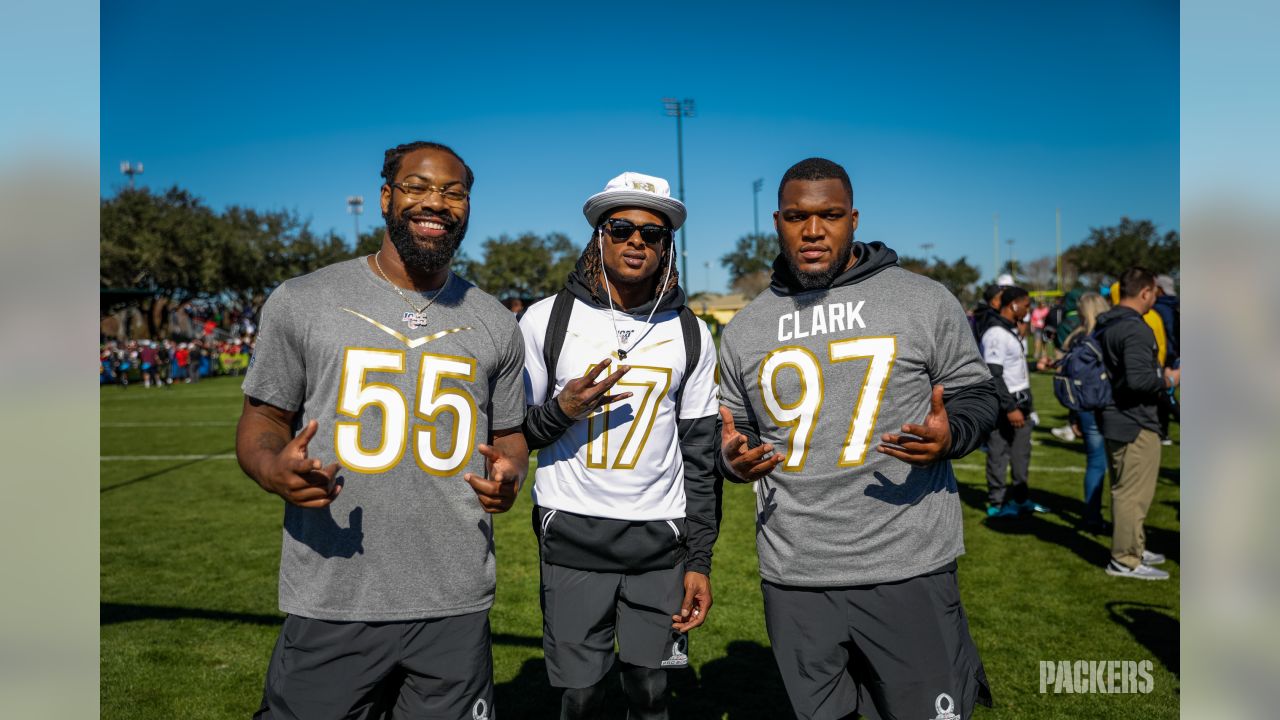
1101	257
161	249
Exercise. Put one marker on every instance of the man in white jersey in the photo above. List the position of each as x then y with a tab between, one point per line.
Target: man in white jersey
848	387
1009	444
384	403
626	498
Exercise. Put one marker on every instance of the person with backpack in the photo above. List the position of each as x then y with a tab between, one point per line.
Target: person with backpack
1009	444
1130	424
1082	374
1168	309
626	501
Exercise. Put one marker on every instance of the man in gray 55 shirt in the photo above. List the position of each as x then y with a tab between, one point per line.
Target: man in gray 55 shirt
384	404
857	539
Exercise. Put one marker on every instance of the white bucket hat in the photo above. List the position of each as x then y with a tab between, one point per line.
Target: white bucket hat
633	189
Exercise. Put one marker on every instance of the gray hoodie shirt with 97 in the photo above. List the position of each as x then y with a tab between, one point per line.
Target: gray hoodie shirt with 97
822	374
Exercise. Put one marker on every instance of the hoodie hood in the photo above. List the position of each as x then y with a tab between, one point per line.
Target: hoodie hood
871	259
593	293
985	317
1115	315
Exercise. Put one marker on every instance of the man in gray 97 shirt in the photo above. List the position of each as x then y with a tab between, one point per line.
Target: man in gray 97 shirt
384	403
848	386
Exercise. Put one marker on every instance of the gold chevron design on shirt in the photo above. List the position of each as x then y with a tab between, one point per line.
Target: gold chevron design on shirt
614	353
643	349
411	344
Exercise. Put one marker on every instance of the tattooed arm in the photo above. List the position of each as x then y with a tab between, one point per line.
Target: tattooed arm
270	454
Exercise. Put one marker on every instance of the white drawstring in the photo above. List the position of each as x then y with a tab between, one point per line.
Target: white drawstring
604	271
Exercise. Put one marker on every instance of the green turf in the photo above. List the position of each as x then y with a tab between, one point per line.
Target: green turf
190	550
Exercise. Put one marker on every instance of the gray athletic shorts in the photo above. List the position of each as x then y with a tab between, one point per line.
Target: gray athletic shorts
440	668
895	650
582	611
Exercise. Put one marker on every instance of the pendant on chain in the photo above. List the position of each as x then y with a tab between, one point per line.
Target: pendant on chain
415	320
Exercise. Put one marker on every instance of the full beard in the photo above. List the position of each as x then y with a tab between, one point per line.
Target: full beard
424	258
822	278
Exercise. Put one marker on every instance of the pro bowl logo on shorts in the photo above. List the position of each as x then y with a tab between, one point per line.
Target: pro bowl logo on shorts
679	653
944	705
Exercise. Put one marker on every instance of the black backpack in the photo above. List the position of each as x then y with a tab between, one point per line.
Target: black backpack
558	326
1082	382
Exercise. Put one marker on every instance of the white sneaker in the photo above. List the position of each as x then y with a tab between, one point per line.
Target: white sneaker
1166	442
1152	558
1064	433
1142	572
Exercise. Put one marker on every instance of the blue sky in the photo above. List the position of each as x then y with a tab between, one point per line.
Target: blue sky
943	113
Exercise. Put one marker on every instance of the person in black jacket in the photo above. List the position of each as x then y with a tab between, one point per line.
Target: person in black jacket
1130	424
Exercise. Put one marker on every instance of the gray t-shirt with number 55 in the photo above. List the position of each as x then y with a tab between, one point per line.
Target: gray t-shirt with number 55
401	405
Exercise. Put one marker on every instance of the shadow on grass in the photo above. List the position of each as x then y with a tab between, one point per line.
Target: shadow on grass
742	685
113	613
1152	627
158	473
529	694
1093	549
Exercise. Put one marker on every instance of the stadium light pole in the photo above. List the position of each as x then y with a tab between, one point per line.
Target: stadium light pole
755	202
995	244
1057	245
680	109
355	206
1011	241
926	247
130	169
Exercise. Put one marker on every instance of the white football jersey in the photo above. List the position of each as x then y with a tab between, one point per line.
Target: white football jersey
623	461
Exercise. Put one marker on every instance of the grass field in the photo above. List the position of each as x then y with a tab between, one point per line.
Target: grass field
190	550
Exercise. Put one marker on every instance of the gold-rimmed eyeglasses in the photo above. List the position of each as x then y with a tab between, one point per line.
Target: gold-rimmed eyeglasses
453	194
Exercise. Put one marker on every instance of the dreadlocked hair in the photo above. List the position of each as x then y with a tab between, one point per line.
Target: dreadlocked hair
593	269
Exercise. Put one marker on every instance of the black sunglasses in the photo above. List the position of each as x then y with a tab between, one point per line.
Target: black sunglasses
621	229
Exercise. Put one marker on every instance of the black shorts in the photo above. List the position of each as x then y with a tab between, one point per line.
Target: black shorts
892	650
439	668
582	611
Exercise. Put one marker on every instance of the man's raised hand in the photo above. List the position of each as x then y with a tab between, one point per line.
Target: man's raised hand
301	480
747	463
931	441
497	491
582	396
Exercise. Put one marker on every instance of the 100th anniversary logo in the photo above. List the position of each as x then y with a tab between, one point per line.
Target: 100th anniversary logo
1096	676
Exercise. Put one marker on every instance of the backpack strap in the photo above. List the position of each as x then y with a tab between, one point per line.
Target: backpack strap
692	349
558	327
553	341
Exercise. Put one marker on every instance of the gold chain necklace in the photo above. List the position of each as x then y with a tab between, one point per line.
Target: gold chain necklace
416	310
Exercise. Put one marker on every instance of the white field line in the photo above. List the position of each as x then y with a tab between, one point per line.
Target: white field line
168	424
1034	468
147	458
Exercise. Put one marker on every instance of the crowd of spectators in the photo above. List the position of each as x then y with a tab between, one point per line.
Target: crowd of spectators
1123	434
161	363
